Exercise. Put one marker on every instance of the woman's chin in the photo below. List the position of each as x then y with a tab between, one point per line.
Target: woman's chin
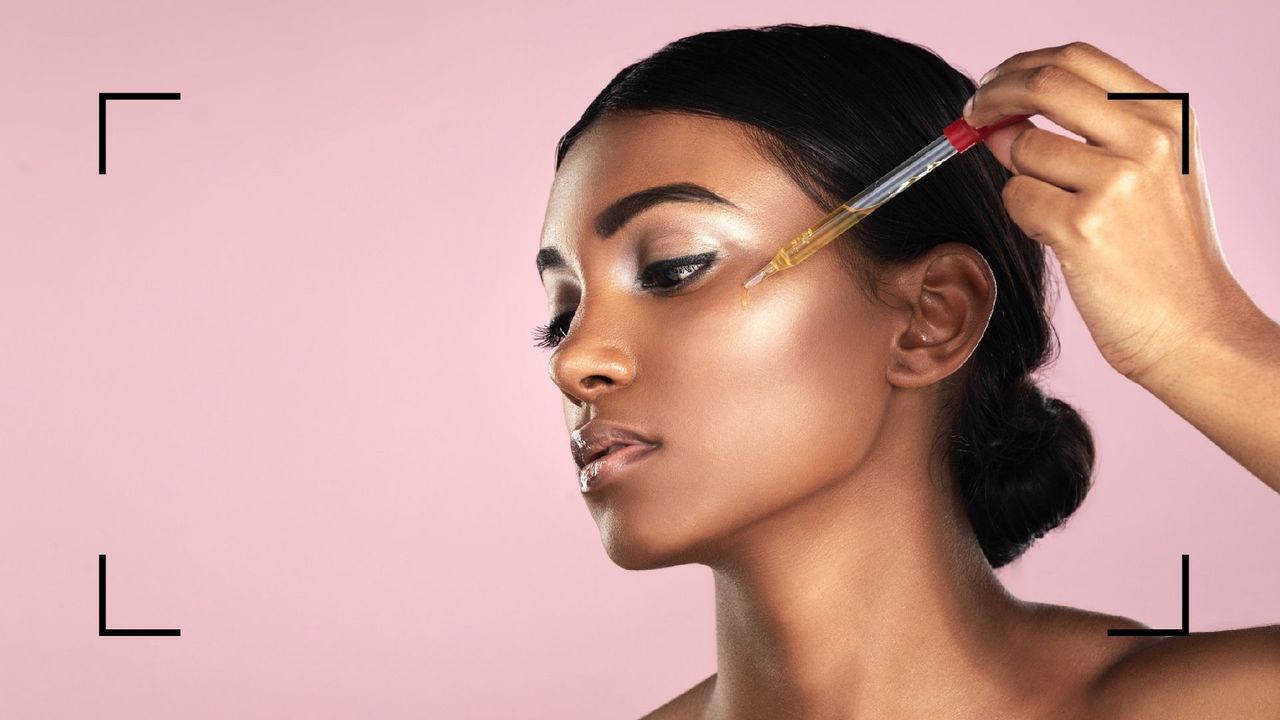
631	549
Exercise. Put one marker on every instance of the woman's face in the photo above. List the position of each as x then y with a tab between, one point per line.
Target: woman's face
755	408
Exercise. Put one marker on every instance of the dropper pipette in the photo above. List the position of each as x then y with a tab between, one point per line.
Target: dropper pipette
956	138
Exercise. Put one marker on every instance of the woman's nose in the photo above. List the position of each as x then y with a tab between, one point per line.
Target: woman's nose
594	358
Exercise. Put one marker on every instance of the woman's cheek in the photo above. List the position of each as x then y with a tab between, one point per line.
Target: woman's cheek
749	398
812	373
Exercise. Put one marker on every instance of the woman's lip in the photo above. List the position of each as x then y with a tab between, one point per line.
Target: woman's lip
604	469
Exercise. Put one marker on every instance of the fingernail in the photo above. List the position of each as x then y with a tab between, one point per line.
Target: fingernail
990	74
968	108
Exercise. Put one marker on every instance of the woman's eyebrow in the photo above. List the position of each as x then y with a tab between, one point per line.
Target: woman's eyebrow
620	211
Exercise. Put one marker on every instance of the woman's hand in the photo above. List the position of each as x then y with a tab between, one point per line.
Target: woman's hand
1134	236
1136	241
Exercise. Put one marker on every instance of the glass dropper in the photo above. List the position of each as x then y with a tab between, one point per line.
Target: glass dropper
956	138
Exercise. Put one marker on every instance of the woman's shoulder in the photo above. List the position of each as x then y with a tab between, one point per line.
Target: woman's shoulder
1225	673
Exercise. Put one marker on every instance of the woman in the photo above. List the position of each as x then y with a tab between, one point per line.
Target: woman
856	450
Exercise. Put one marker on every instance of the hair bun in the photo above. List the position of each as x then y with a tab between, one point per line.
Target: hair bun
1026	471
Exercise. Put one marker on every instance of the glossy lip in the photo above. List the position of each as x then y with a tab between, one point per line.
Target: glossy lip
590	446
605	469
596	437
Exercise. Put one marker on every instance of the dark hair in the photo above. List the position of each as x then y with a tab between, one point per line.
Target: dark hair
837	107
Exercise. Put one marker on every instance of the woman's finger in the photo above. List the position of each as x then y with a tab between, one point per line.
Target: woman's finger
1041	209
1101	69
1057	159
1063	97
1084	60
1110	73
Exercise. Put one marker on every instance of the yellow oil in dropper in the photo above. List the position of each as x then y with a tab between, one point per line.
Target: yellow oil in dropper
809	242
956	138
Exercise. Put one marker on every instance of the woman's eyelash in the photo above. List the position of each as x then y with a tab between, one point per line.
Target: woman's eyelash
699	262
551	334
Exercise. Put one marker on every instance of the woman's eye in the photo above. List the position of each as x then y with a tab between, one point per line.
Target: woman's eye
670	274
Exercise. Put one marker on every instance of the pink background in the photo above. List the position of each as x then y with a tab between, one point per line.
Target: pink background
277	363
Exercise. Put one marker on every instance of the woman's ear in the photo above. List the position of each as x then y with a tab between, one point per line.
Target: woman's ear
945	301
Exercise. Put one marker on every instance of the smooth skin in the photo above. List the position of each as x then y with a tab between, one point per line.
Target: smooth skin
795	457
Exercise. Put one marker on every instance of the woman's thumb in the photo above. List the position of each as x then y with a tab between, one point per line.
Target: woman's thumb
999	141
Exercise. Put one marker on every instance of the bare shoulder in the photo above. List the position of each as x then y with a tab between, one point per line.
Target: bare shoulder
1220	674
686	705
1223	674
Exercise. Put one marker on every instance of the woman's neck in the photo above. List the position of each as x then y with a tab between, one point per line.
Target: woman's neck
870	599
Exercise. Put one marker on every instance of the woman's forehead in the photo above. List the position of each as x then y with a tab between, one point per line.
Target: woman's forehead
659	147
